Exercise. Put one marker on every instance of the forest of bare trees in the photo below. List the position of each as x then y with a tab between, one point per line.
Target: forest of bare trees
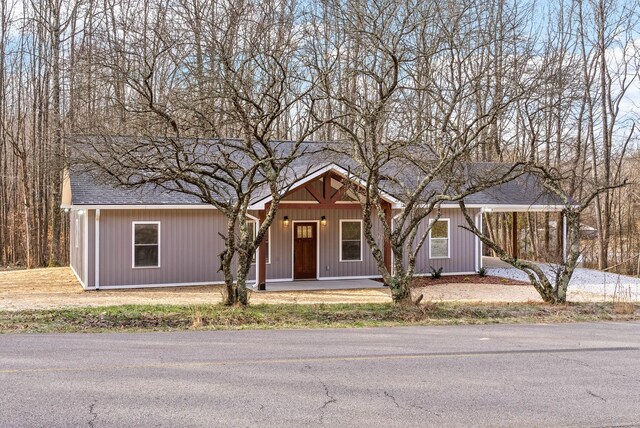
487	80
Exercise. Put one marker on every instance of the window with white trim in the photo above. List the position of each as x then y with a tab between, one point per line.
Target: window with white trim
350	240
439	239
146	244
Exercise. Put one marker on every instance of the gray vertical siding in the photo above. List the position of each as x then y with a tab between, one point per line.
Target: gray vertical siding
462	246
281	266
190	244
189	247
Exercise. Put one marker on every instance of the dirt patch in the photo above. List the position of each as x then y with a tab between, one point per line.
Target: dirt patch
58	288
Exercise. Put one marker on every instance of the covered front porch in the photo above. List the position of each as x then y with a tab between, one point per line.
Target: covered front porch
316	241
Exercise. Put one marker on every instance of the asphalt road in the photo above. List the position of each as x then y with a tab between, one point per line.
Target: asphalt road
503	375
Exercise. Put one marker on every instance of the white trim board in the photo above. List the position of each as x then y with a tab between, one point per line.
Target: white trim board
96	251
447	273
139	207
261	204
338	278
85	255
180	284
82	284
513	208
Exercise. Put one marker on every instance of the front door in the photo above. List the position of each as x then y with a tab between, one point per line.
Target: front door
305	251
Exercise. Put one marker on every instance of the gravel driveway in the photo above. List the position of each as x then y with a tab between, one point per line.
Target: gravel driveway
583	280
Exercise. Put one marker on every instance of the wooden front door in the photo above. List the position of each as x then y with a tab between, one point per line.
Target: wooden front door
305	251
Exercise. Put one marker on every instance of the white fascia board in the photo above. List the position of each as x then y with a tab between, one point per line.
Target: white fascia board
260	205
143	207
507	207
517	208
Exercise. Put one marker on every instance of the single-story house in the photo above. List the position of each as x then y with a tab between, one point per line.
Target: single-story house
141	237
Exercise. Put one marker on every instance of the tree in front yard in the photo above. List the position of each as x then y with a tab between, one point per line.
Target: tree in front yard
194	76
551	287
411	102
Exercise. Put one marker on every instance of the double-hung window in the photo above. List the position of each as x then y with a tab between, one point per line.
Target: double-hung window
350	240
439	239
146	244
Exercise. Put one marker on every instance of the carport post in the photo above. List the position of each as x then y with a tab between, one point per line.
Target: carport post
514	234
262	256
96	267
564	237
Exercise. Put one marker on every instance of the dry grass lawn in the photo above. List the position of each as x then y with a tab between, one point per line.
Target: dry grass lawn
58	288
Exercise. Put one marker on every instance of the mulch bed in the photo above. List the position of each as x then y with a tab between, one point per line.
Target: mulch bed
425	281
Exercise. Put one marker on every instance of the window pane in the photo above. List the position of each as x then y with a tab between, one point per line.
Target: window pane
351	250
146	234
251	226
440	248
146	255
351	230
440	229
266	238
304	232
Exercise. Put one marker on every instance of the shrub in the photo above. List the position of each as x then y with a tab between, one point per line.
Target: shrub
482	271
436	273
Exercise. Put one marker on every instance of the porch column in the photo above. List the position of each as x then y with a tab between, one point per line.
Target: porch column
476	243
262	257
387	244
480	247
514	235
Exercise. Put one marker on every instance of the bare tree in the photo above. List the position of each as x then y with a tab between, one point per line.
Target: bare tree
551	289
404	87
253	88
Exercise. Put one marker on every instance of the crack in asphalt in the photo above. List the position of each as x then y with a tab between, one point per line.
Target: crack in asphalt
426	410
393	399
330	398
587	365
92	413
415	406
596	395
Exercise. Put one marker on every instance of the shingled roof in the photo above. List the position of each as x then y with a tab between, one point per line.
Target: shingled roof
84	188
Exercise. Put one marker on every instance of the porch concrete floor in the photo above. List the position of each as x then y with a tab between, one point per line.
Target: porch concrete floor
338	284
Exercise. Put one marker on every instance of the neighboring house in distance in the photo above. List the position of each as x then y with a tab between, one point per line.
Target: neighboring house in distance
130	238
